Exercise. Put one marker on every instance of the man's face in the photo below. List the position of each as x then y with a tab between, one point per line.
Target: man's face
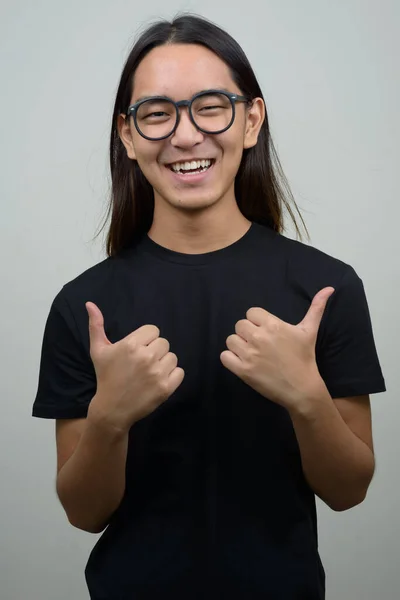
179	72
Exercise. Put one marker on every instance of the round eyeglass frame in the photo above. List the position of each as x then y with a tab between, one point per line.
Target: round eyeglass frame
233	98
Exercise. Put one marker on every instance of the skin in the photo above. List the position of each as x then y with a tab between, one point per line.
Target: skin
273	357
192	218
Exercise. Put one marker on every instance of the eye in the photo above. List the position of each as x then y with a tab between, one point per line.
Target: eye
206	108
211	104
156	114
155	111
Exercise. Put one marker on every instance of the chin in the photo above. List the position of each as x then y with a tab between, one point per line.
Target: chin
193	204
189	201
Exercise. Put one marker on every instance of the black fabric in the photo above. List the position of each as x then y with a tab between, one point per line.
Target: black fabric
216	504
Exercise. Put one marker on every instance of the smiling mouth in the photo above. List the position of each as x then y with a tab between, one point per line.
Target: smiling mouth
191	167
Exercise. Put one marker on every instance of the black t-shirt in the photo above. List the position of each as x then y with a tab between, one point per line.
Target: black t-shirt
216	504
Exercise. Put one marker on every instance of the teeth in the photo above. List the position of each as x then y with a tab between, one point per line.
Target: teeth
195	164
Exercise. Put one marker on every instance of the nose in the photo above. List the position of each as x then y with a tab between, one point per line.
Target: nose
186	134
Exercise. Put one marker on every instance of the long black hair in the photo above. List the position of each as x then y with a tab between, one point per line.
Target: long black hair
261	189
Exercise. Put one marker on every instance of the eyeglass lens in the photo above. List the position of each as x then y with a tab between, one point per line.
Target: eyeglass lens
211	112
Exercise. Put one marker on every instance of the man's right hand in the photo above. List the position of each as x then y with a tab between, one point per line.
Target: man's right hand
134	375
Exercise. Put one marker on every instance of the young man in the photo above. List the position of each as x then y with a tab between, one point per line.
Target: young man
205	473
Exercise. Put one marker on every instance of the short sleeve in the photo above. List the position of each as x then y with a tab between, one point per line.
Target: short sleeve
67	380
346	352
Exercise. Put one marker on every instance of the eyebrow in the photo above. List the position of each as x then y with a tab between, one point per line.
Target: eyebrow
221	89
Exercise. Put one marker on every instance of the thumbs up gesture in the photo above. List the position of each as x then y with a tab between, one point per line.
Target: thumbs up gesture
275	358
134	375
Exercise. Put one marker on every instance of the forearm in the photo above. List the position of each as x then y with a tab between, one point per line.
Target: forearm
91	483
337	464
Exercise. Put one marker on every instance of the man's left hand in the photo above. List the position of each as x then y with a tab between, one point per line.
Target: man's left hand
275	358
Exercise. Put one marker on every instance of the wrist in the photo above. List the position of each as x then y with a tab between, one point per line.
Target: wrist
101	420
310	401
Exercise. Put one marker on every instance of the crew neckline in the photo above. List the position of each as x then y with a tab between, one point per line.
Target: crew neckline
151	247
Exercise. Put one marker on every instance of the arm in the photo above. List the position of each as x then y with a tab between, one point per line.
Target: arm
134	376
279	361
91	459
335	440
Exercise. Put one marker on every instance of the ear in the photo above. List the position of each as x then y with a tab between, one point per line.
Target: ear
125	133
255	116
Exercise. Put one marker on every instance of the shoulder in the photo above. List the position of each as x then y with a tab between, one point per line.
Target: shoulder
313	267
99	280
300	265
100	283
91	282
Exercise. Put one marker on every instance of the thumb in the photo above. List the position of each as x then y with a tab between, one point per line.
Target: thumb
97	335
314	315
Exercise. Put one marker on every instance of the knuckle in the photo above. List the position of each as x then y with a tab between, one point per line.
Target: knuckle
148	357
164	343
155	329
163	389
155	372
132	345
255	336
274	326
144	356
246	369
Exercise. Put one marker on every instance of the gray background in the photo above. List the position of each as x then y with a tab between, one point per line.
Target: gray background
329	71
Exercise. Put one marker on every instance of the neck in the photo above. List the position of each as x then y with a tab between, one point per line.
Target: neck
198	232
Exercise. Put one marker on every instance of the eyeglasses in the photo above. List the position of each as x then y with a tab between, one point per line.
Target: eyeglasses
211	111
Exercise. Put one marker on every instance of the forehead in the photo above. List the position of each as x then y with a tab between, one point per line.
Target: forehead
179	71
